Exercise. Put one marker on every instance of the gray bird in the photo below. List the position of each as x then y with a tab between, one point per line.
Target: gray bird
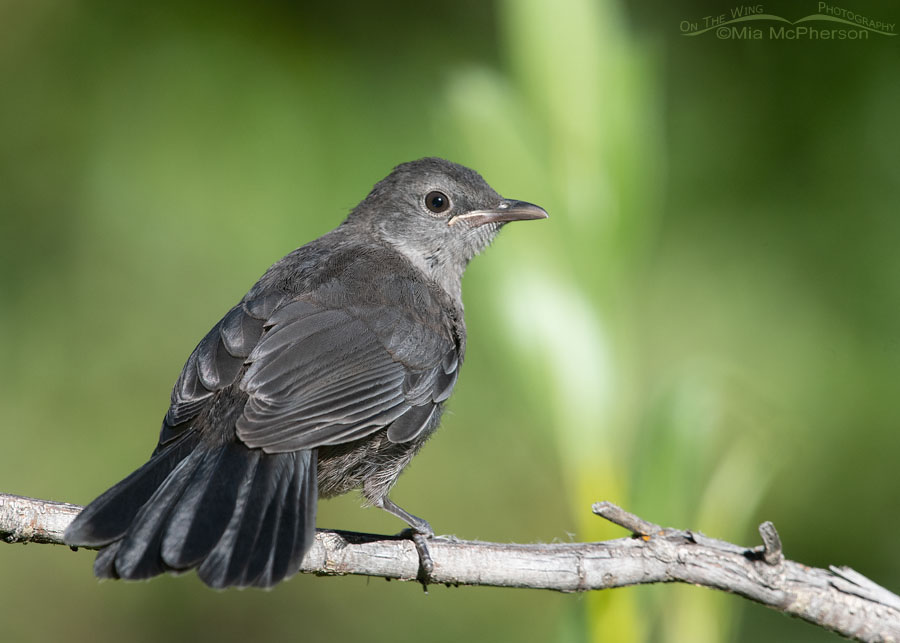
328	376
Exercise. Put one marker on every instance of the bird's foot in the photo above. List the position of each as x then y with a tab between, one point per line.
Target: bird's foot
419	532
426	563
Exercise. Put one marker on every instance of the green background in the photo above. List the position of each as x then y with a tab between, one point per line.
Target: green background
705	331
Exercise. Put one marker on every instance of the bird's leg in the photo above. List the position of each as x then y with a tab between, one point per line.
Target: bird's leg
419	525
419	531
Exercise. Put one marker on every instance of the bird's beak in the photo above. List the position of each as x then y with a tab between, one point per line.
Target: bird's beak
506	210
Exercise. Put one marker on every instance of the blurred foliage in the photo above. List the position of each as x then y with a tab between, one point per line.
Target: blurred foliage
705	331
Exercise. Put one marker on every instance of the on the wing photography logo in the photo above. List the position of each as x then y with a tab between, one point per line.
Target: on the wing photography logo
749	22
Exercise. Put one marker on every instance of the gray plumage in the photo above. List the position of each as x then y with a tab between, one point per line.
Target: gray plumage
328	376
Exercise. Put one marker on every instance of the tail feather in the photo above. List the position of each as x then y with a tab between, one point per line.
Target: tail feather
241	517
302	502
286	535
201	516
255	572
139	556
108	517
214	570
105	562
243	555
294	529
256	510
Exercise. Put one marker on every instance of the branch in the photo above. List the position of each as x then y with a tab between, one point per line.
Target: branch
837	599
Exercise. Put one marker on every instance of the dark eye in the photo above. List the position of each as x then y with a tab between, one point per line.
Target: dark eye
437	201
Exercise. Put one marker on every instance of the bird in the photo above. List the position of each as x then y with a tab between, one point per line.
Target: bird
328	376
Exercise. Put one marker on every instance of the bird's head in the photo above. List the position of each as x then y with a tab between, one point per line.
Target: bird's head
439	215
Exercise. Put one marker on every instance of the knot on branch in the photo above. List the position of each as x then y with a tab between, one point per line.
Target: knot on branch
771	549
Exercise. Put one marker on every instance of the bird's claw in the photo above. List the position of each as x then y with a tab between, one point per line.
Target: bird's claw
426	563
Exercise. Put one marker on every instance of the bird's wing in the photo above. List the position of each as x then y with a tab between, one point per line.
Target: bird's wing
322	375
216	362
317	373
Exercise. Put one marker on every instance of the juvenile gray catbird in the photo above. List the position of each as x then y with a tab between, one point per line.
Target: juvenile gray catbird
328	376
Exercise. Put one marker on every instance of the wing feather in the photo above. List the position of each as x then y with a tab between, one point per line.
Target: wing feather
215	363
324	375
317	371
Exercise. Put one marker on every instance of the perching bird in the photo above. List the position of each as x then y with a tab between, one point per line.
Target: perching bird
328	376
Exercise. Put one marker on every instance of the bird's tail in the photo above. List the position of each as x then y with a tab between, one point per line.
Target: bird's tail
240	517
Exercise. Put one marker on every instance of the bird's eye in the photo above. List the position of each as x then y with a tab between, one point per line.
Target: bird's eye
437	201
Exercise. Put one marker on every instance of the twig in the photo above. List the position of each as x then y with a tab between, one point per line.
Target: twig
29	520
837	598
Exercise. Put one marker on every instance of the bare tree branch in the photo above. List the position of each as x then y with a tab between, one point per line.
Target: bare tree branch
838	598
